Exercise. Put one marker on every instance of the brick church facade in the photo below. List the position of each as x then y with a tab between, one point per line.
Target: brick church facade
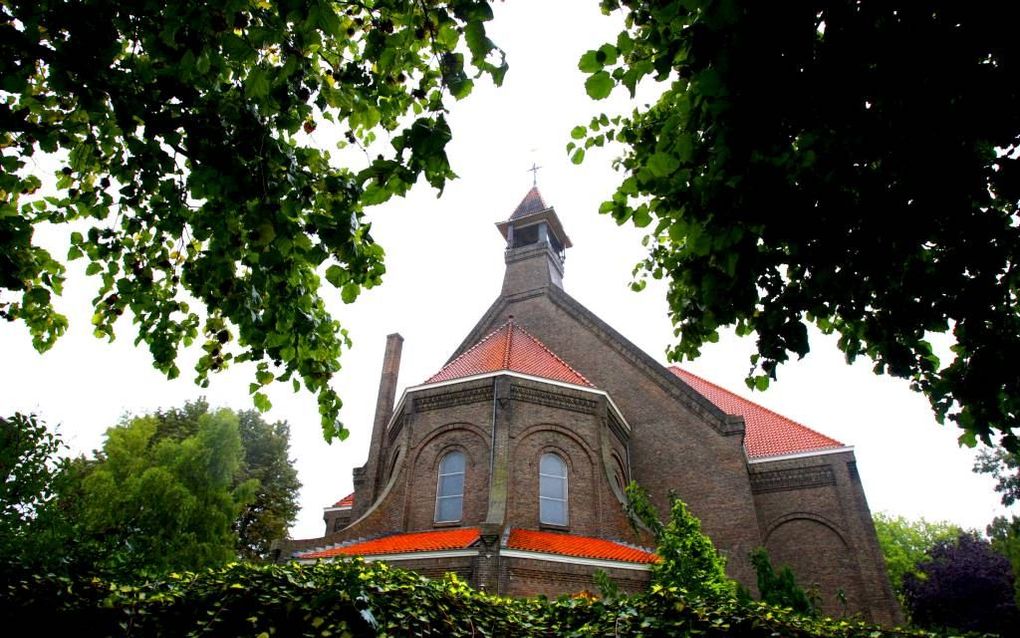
508	465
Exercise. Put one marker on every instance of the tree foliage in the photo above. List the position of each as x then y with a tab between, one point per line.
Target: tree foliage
1004	533
28	469
1004	467
905	544
965	585
188	169
150	506
690	561
781	589
266	447
849	164
37	487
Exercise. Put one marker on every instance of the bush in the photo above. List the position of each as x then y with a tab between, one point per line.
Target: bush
965	585
351	598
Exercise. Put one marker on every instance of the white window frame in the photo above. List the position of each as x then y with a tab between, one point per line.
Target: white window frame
566	490
439	483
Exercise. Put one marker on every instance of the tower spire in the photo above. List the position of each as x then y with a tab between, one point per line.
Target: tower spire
535	244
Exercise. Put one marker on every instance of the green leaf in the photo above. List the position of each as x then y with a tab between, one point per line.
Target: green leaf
608	54
336	275
662	164
578	132
599	86
350	292
202	63
588	63
578	156
257	83
262	402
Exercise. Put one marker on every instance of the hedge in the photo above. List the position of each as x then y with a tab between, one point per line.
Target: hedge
354	598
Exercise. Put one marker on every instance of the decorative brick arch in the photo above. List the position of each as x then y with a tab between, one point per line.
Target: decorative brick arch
538	428
811	516
422	465
821	556
585	484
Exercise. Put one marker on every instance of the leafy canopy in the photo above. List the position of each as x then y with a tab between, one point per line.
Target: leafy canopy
156	505
905	544
965	585
1004	533
189	176
269	515
30	473
849	164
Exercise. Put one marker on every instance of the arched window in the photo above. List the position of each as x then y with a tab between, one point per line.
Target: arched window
450	491
552	490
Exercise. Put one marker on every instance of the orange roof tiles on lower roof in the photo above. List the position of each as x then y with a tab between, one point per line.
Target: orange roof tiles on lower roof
767	433
432	541
579	546
510	348
347	501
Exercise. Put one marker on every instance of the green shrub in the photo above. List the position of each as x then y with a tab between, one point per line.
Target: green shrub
355	599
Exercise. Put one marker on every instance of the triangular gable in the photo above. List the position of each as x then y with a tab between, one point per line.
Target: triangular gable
655	371
513	349
768	433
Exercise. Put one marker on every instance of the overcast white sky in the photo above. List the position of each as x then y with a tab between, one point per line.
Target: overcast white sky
445	266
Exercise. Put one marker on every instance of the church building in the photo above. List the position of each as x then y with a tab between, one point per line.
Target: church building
508	465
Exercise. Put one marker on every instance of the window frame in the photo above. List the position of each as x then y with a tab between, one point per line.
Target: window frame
439	484
566	491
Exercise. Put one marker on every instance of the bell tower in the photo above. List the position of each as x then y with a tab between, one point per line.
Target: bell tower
535	246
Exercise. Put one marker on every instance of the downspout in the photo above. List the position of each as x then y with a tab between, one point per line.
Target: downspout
492	439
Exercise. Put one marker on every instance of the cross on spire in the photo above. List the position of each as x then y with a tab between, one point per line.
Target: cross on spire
534	174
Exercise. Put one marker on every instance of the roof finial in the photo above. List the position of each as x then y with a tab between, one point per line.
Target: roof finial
534	174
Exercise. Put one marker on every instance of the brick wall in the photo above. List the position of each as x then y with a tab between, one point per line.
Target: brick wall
813	517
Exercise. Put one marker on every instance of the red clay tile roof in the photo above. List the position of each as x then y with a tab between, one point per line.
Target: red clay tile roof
347	501
532	203
462	538
511	348
767	433
580	546
446	539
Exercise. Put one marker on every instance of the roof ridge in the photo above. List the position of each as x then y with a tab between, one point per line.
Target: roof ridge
509	342
554	355
755	404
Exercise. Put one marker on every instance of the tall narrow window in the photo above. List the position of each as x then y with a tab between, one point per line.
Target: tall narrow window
450	492
552	490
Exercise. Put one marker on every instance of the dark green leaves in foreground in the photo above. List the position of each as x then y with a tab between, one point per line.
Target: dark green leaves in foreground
352	598
187	165
852	164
